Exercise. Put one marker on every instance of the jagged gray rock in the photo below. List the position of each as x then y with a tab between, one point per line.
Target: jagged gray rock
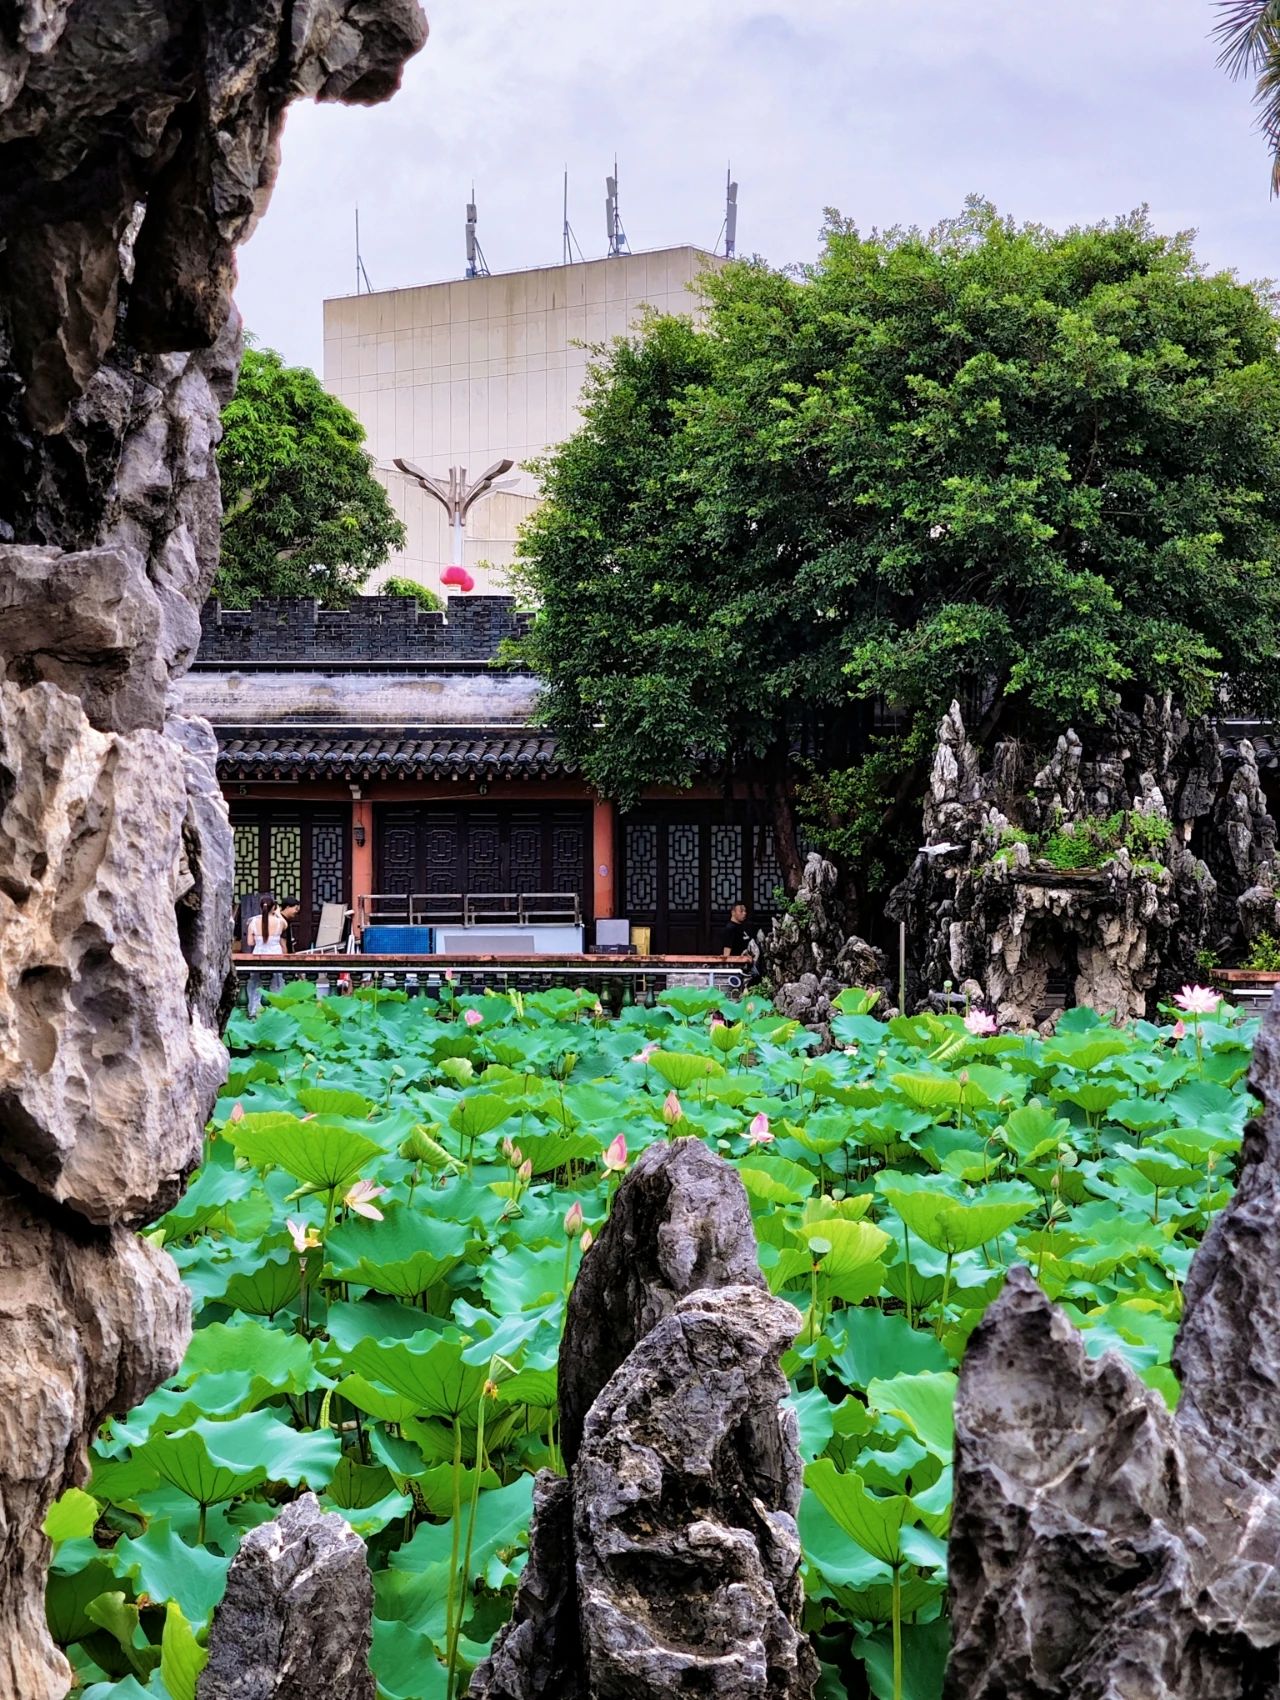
811	953
681	1222
667	1563
1102	1547
91	1320
296	1619
980	905
137	146
685	1494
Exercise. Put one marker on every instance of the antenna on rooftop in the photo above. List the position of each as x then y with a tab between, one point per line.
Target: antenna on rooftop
361	273
570	240
729	229
477	265
613	218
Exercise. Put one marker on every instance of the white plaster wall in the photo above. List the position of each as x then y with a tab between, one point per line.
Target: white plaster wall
468	372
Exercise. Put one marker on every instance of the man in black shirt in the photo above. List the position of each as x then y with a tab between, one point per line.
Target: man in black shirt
733	941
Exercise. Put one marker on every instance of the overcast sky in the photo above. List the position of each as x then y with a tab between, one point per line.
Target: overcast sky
1062	111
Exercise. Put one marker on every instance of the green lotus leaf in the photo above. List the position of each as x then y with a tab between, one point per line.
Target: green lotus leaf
874	1521
160	1563
479	1113
875	1344
277	1360
925	1401
434	1375
682	1071
262	1285
211	1461
182	1658
404	1256
335	1101
322	1153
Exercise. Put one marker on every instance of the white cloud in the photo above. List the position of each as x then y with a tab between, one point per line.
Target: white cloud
891	110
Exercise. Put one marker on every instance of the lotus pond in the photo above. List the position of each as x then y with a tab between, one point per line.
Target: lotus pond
393	1203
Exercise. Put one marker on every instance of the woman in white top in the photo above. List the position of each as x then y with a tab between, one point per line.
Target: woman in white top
267	936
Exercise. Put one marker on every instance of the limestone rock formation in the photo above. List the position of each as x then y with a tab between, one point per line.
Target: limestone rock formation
983	902
91	1319
1102	1546
811	954
138	144
296	1619
681	1222
667	1563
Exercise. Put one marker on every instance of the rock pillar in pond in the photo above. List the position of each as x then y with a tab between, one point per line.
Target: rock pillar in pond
667	1562
1102	1545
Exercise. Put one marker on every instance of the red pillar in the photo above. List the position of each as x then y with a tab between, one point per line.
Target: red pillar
361	855
603	851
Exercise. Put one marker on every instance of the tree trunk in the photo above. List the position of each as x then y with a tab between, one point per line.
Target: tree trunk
785	840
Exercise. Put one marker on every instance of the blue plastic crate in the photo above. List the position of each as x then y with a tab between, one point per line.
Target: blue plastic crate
397	941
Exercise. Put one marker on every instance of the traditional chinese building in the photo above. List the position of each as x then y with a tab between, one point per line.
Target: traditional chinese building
382	752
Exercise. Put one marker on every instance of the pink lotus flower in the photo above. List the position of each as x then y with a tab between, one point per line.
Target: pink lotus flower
515	1156
717	1020
671	1111
1198	1000
360	1198
507	1147
573	1220
1179	1029
472	1017
643	1055
524	1174
980	1024
615	1155
304	1236
758	1133
597	1008
237	1113
588	1240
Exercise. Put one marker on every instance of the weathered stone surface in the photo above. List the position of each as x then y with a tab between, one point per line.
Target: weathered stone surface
183	117
811	954
685	1494
978	905
538	1655
1103	1548
105	1076
668	1561
296	1620
91	1319
206	875
138	143
681	1223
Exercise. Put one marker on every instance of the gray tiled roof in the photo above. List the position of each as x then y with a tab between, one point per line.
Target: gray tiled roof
391	753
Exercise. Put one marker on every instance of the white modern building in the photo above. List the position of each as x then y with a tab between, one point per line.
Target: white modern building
484	369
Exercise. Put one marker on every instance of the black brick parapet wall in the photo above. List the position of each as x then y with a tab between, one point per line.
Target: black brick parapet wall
373	628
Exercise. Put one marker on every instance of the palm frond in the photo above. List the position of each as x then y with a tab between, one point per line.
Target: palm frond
1249	34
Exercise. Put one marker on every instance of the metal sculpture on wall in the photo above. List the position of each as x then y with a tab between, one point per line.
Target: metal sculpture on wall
457	497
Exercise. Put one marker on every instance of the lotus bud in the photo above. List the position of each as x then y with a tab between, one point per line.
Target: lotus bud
615	1155
237	1109
573	1220
588	1239
524	1174
671	1111
758	1133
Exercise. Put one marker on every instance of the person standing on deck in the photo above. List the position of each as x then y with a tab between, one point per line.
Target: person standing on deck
268	935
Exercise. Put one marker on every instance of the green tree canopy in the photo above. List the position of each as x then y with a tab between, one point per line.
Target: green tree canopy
303	514
1036	471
